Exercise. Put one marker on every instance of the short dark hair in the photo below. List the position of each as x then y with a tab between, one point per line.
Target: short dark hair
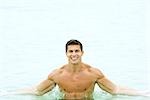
74	42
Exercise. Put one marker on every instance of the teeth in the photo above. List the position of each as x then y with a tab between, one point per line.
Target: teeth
74	58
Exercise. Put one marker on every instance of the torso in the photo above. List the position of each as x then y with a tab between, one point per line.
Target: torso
78	85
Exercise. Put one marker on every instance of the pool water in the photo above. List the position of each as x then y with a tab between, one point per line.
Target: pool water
55	95
33	34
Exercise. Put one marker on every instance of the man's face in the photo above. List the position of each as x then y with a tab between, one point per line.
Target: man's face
74	54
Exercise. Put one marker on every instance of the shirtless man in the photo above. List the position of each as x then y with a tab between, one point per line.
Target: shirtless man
76	80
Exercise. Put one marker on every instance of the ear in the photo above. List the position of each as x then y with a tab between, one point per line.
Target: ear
66	53
82	52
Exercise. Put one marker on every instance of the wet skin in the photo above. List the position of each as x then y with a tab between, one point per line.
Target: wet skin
76	85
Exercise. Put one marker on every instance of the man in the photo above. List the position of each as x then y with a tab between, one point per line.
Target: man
76	80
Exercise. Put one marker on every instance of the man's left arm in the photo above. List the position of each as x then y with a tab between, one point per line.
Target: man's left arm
112	88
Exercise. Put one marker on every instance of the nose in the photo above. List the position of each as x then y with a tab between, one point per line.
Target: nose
73	53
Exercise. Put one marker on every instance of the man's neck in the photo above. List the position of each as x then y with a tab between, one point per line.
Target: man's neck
75	67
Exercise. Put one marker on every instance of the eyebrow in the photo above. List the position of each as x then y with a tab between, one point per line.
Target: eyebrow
74	50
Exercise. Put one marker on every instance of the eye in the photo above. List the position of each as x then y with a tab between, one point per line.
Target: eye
70	51
76	50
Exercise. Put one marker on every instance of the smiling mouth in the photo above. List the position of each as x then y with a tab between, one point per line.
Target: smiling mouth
74	59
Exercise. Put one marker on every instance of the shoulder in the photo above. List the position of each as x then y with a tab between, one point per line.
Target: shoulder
95	71
56	72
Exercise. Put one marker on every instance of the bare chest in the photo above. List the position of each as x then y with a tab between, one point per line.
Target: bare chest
78	82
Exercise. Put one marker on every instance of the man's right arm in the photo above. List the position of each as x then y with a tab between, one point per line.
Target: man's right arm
44	87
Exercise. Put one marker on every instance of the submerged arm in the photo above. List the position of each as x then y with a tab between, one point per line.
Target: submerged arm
40	89
112	88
